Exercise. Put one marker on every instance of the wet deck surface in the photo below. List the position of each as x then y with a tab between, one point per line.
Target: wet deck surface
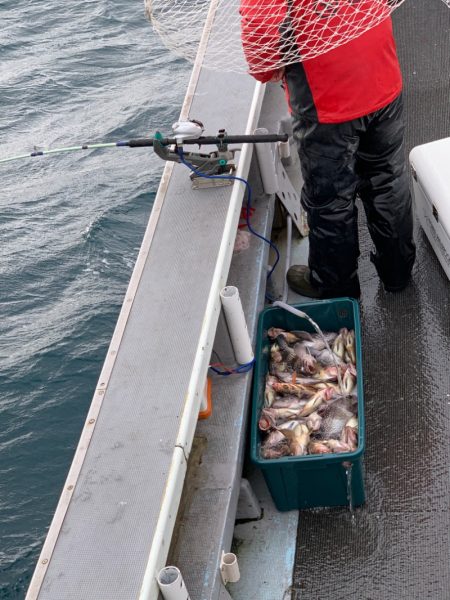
399	545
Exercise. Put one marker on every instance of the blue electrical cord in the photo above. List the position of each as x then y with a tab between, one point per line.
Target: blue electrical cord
241	369
248	206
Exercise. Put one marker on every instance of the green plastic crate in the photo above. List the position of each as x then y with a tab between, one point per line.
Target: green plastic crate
297	482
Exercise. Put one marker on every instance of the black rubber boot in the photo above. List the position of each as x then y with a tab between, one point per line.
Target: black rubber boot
298	278
300	281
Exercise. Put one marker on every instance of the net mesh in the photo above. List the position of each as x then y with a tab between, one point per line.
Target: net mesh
262	36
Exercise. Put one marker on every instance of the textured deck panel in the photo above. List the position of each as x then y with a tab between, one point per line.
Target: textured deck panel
399	545
103	546
206	520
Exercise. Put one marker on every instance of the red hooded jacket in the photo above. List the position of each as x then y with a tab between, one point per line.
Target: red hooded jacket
350	81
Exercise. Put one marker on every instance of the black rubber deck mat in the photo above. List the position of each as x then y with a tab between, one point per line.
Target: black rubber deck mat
398	546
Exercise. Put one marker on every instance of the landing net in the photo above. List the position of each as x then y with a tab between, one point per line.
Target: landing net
272	33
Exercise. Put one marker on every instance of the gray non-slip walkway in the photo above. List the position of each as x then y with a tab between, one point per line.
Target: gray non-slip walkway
399	545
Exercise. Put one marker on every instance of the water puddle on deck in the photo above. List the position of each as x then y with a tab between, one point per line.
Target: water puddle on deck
348	474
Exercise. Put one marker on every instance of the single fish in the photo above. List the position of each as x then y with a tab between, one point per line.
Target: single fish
282	449
314	421
334	418
274	438
286	350
313	403
311	406
349	343
290	425
349	436
294	389
303	336
275	332
315	447
269	392
353	423
293	402
298	439
278	367
270	380
305	362
328	373
275	354
349	403
337	446
266	420
272	417
284	373
269	396
332	390
284	414
348	382
350	433
352	368
327	358
308	382
338	344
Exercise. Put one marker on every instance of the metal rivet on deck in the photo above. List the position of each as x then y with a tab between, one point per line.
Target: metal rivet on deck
101	392
70	487
91	421
45	561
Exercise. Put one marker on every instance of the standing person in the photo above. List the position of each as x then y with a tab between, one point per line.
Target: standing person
347	112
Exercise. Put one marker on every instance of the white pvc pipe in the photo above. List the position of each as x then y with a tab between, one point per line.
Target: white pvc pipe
237	326
266	164
172	585
229	568
284	150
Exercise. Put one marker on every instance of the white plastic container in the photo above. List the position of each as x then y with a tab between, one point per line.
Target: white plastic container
430	164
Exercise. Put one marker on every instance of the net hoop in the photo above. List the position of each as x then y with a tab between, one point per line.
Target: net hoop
262	36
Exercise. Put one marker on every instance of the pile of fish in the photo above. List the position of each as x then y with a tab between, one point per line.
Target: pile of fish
310	401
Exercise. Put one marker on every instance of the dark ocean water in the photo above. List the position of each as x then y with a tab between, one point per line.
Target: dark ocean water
70	229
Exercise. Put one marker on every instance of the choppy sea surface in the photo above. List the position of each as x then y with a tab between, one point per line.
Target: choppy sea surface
70	230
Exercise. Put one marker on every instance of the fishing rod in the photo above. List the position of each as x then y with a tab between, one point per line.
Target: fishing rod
217	162
163	141
184	132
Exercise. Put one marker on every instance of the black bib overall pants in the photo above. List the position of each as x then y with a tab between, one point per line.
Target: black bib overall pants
363	157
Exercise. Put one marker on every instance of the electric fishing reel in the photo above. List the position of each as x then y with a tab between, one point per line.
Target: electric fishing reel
208	170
